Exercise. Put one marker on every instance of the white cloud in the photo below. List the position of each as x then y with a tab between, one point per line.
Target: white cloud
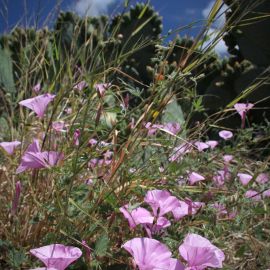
92	7
216	26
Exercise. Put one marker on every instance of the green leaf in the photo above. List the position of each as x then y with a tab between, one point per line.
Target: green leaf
173	113
102	245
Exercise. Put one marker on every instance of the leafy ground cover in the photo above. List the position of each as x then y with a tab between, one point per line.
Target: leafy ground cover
91	181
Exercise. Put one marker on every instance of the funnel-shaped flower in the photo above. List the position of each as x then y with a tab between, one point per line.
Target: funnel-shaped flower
161	201
149	254
187	208
200	253
38	104
36	88
33	158
201	146
244	178
9	147
225	134
172	127
101	88
195	177
57	256
262	178
212	144
242	109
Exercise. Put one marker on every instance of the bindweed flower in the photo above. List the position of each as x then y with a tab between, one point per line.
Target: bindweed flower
201	146
172	127
76	137
161	201
57	256
59	126
16	199
227	158
37	88
254	195
242	109
200	254
80	86
221	176
38	104
225	134
101	88
266	193
150	254
244	178
212	144
9	147
195	177
152	128
262	178
33	158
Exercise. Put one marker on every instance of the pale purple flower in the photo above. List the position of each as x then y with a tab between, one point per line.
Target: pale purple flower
180	151
172	127
33	158
57	256
59	126
242	109
161	201
244	178
221	176
152	128
16	198
149	254
225	134
212	144
36	88
201	146
200	253
101	88
92	142
176	265
9	147
228	158
186	208
262	178
38	104
195	177
222	212
80	86
76	136
89	182
266	193
254	195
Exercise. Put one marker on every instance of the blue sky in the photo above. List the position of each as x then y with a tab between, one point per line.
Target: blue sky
175	13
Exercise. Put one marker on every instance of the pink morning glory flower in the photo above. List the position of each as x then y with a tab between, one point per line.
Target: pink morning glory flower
227	158
212	144
38	104
16	199
244	178
200	253
242	109
9	147
150	254
152	128
76	137
266	193
57	256
180	151
186	208
33	158
172	127
37	88
195	177
201	146
262	178
225	134
80	86
101	88
59	126
254	195
161	201
221	176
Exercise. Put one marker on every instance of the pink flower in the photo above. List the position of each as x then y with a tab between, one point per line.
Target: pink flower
172	127
76	137
101	88
152	128
244	178
262	178
9	147
227	158
225	134
222	211
195	177
161	201
212	144
92	142
266	193
201	146
254	195
38	104
221	176
33	158
57	256
242	109
80	86
186	208
37	88
16	199
180	151
200	253
59	126
150	254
